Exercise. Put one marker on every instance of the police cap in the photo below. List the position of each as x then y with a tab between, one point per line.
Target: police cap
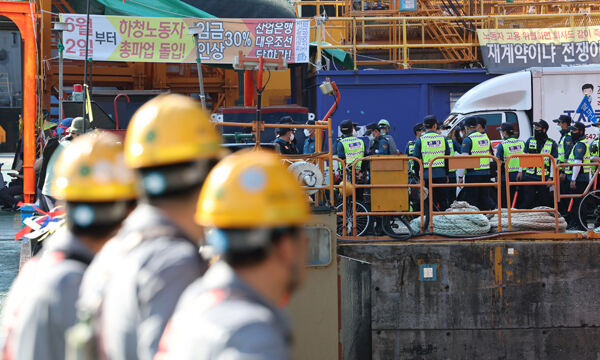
542	123
346	125
429	121
563	119
577	126
470	121
371	127
509	128
417	128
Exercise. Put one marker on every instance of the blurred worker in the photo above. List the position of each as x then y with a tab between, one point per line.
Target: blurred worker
454	148
384	127
477	144
540	143
254	213
378	144
428	146
564	148
509	146
131	290
98	192
577	176
410	149
76	129
284	141
309	141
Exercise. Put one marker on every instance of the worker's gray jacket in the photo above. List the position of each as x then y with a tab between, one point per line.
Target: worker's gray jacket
41	303
221	317
392	144
144	283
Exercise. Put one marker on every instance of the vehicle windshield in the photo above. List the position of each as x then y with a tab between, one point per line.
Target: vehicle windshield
450	119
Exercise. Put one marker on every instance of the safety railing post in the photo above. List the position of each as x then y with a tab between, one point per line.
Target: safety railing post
354	198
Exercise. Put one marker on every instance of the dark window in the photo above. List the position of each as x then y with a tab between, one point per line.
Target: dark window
512	118
493	121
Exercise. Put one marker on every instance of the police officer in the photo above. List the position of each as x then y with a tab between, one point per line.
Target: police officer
378	144
564	147
477	144
172	145
428	146
410	148
349	146
384	127
309	140
98	191
509	146
540	143
285	140
595	146
454	148
254	212
578	177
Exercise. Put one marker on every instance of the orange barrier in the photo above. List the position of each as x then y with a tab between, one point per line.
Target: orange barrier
529	161
464	162
370	186
590	184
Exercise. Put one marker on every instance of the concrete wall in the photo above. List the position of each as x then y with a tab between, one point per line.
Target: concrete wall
484	300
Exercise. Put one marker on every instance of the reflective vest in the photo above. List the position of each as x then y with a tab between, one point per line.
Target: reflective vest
411	152
451	147
480	146
594	151
432	145
354	149
561	148
512	146
547	149
586	158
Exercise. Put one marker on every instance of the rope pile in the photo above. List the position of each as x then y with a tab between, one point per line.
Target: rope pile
478	224
537	221
457	225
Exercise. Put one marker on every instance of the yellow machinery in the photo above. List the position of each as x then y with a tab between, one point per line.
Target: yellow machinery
389	172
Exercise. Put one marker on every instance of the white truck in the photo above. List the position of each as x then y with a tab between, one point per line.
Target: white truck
530	95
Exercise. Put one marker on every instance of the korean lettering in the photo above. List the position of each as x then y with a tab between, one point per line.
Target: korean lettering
582	51
568	49
106	37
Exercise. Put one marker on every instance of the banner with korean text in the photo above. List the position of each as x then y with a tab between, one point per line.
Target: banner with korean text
146	39
510	50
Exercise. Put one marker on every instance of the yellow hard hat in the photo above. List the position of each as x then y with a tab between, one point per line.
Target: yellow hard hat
251	189
92	169
170	129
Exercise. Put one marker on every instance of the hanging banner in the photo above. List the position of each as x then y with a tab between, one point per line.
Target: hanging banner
509	50
145	39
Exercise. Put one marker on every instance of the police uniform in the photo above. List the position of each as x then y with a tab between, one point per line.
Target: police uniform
221	317
351	149
286	147
139	291
410	151
478	144
538	195
309	145
41	303
580	153
379	146
452	148
506	148
427	147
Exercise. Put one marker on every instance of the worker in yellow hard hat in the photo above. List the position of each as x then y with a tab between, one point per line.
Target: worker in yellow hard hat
172	145
254	211
98	192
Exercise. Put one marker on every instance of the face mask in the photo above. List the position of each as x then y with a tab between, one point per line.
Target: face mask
575	136
354	133
306	133
539	133
461	134
292	137
371	137
383	132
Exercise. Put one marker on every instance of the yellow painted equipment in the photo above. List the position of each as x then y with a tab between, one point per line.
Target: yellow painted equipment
389	172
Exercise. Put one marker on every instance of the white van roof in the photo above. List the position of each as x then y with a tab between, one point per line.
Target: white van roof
505	92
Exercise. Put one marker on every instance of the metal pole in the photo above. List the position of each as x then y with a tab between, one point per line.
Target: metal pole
87	39
60	76
199	66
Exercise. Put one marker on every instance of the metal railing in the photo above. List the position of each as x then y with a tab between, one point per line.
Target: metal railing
464	162
401	36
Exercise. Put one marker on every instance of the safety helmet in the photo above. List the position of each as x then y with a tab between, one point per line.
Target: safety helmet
251	189
92	169
383	122
170	129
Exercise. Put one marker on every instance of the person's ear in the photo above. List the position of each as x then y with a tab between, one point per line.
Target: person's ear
285	250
